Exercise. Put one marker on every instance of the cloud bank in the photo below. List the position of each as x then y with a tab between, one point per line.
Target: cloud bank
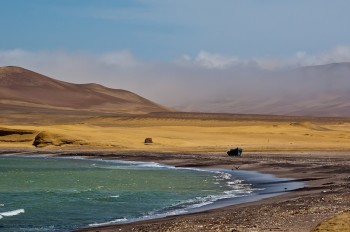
206	82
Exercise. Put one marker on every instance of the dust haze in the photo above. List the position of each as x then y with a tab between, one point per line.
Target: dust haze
302	84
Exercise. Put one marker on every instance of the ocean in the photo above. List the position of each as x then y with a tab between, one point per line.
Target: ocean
62	194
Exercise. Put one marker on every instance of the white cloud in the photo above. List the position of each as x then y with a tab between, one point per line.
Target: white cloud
336	55
209	60
14	56
122	59
217	61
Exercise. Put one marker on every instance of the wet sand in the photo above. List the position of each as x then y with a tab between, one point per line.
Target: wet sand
327	191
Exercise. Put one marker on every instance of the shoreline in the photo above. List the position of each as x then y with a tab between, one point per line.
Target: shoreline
326	194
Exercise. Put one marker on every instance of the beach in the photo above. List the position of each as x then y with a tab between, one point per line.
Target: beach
326	192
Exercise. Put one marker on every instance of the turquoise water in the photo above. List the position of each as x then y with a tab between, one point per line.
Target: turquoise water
56	194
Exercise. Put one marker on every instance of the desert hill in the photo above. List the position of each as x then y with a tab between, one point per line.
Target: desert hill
22	88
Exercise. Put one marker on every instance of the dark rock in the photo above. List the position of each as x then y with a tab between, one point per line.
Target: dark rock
148	140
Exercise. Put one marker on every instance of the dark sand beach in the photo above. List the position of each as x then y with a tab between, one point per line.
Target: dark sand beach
326	193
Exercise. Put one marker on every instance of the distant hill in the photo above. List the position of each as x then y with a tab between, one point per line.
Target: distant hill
22	88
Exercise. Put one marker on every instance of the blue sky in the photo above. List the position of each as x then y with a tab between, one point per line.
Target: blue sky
168	29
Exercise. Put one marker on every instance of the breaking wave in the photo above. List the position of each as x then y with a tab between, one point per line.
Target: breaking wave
11	213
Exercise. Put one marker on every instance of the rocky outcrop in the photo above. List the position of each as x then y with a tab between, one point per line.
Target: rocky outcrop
44	139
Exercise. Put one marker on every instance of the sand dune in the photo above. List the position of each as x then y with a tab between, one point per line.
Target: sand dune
21	87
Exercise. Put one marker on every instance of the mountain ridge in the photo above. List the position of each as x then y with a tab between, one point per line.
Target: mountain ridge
21	86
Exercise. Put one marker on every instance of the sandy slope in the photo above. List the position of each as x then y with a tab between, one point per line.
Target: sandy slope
181	132
21	87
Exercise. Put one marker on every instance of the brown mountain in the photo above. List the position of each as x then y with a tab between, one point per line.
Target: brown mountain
22	88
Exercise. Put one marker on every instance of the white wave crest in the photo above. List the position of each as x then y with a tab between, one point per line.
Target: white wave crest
11	213
234	183
153	165
108	223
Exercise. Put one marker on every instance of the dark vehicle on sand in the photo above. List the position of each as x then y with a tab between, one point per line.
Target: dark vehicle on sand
235	152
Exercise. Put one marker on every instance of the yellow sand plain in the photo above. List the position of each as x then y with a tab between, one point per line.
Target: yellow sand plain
190	135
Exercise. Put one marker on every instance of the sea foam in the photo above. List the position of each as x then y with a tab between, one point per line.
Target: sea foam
108	223
11	213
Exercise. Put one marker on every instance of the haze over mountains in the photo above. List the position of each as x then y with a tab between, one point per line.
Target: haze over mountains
307	91
23	88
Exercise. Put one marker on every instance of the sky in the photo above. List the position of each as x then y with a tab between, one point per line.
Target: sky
147	45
